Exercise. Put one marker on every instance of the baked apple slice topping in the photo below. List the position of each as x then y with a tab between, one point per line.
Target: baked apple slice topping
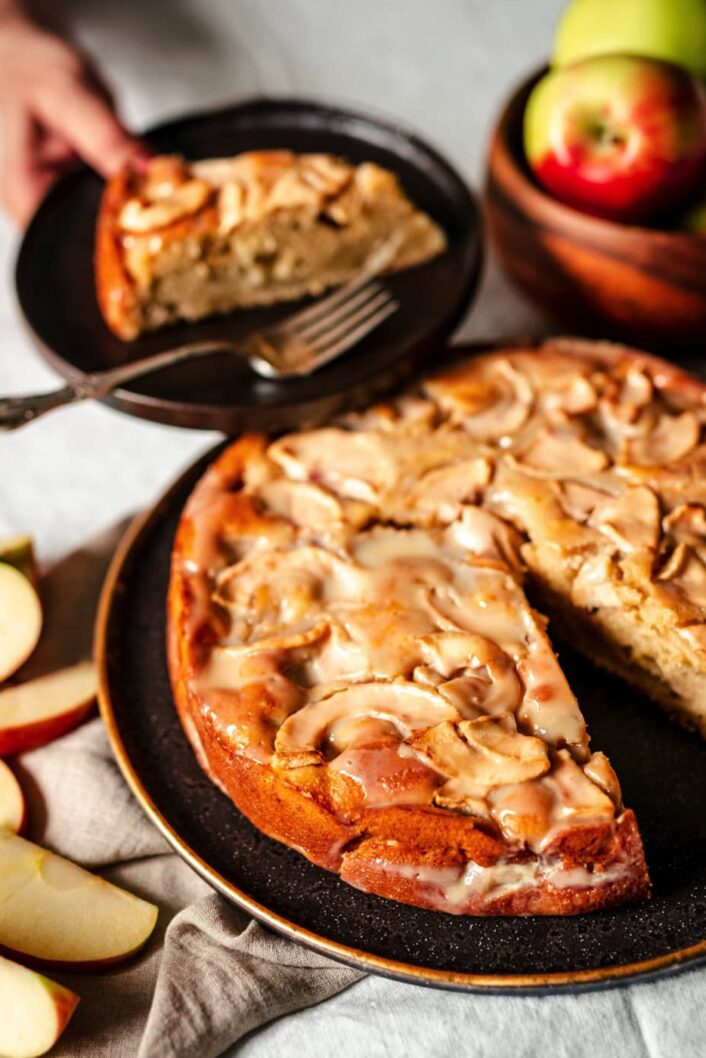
181	200
404	705
683	576
561	455
306	505
686	524
671	439
495	403
378	467
631	521
445	491
476	755
538	812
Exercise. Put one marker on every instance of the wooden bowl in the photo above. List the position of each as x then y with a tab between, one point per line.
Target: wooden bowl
595	276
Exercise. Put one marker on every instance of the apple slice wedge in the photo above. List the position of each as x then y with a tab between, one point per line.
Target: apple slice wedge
55	913
18	551
13	812
34	1011
40	710
20	619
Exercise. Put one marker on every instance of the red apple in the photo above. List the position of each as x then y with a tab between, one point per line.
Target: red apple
618	135
40	710
20	619
34	1011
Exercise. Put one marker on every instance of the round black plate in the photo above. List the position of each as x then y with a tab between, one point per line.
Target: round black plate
661	768
55	281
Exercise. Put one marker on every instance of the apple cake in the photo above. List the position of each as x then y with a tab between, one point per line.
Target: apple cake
180	240
353	654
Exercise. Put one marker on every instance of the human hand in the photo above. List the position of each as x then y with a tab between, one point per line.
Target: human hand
53	110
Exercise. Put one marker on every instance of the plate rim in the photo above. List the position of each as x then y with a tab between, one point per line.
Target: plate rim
167	410
565	981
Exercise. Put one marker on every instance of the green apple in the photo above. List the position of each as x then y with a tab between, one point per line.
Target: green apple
674	30
18	551
694	218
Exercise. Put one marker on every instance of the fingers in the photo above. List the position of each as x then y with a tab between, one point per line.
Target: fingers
54	109
23	182
84	119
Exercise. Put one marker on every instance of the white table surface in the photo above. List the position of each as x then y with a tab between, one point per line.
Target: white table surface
444	66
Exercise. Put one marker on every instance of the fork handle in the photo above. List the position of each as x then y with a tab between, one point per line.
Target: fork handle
18	411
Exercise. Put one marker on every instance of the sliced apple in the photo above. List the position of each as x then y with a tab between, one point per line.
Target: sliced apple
13	813
34	1011
55	913
20	619
40	710
18	551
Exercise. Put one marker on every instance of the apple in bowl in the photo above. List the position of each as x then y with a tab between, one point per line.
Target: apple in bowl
618	136
674	30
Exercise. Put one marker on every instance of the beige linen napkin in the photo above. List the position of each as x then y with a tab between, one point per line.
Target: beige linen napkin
210	974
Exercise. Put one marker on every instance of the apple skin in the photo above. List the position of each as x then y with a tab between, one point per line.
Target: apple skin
40	710
674	30
618	136
22	739
20	619
38	1010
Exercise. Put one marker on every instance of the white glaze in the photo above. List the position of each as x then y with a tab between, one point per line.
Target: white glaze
453	888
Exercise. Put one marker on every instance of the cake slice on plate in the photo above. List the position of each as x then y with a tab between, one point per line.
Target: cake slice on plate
184	240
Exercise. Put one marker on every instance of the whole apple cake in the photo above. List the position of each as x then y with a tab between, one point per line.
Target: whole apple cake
184	240
356	662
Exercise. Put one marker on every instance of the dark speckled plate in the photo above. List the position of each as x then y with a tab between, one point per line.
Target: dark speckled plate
56	288
661	768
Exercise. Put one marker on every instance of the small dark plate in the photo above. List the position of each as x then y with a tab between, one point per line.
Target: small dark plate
661	768
56	290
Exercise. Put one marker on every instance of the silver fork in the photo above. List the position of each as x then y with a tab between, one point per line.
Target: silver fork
298	345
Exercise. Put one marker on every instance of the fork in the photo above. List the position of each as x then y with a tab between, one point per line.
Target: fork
299	345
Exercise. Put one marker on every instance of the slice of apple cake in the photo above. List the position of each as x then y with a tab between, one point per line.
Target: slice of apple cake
599	461
184	240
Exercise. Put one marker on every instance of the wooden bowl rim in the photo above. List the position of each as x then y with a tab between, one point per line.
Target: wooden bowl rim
502	157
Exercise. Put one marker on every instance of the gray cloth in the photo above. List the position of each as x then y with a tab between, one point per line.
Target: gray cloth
210	974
